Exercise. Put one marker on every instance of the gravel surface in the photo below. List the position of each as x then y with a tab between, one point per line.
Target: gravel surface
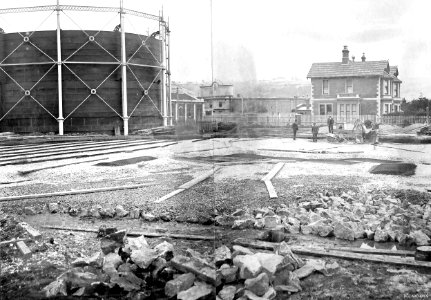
233	186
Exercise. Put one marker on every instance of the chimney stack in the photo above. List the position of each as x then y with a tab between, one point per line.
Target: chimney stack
363	57
345	58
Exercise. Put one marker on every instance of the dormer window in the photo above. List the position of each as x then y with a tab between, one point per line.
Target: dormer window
325	87
349	86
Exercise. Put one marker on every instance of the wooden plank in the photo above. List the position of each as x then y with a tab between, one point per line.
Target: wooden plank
273	172
405	262
30	230
22	247
170	195
139	233
76	192
199	179
373	251
271	189
13	241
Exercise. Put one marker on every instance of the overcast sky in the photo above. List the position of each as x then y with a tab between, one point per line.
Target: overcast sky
263	40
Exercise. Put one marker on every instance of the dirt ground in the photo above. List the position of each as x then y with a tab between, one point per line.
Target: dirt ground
335	168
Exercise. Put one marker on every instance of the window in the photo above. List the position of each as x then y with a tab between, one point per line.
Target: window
325	109
325	87
220	104
387	108
386	87
347	109
396	90
342	109
322	109
354	111
349	86
396	108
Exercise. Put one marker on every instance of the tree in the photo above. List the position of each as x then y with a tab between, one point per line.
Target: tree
416	106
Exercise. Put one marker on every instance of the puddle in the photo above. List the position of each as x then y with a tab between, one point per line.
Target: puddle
401	169
124	162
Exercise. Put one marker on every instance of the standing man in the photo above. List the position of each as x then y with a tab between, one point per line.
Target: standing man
295	129
330	124
314	131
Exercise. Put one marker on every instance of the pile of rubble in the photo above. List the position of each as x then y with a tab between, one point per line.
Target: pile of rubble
129	268
119	211
18	238
378	217
425	130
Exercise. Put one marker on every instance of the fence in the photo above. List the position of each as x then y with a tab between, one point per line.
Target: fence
403	120
280	121
265	120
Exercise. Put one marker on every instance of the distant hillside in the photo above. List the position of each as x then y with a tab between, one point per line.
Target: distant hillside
257	89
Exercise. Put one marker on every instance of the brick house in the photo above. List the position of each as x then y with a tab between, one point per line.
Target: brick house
349	88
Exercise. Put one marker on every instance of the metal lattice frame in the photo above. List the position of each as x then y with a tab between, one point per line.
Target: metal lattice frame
162	65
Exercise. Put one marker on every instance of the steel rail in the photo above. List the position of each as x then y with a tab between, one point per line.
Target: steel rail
78	8
28	64
145	66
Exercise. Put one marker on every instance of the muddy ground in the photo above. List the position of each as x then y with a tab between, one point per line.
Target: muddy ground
236	185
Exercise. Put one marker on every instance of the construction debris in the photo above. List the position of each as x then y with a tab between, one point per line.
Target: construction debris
349	216
165	130
15	237
425	131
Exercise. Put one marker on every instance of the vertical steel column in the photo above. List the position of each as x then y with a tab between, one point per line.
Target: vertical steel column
123	72
185	112
162	32
169	74
176	112
60	118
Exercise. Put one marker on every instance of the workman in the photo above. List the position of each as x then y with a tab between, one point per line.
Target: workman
295	129
314	131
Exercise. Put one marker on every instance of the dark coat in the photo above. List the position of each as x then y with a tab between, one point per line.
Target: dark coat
295	127
330	121
315	129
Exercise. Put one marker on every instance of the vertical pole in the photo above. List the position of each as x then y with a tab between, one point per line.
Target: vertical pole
185	112
428	114
169	72
162	31
123	72
59	75
212	54
176	112
194	112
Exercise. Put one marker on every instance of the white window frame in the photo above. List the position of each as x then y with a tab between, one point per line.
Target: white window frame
354	113
385	87
396	90
342	111
386	108
323	87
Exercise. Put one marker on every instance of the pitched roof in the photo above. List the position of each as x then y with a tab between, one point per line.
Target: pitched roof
182	96
351	69
393	70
